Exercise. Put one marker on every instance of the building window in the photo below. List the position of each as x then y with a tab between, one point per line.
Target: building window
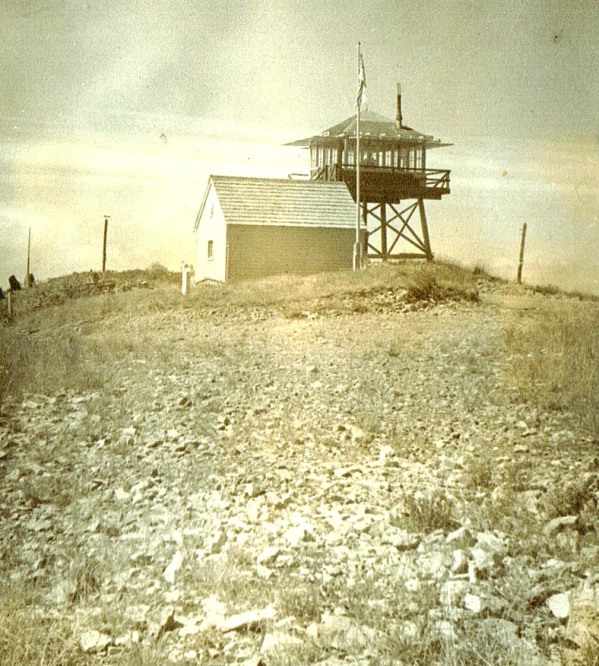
210	249
212	211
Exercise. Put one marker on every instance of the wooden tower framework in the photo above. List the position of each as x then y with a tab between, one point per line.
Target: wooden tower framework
394	180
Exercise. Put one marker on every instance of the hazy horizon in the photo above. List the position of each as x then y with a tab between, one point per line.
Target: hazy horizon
112	108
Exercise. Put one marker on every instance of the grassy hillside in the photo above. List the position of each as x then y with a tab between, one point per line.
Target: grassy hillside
554	354
397	466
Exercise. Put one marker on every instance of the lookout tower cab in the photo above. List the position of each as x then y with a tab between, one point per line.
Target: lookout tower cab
395	179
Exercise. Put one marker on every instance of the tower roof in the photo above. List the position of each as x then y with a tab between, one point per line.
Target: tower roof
372	125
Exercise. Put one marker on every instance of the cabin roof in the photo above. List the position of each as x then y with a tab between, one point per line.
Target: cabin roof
282	202
372	125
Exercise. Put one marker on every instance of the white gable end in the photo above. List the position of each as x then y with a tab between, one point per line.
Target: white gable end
211	239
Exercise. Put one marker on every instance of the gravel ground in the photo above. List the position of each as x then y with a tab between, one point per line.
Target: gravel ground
332	488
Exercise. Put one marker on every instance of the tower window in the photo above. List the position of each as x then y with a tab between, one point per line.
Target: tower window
210	254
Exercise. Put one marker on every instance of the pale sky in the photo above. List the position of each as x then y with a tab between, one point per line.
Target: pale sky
124	107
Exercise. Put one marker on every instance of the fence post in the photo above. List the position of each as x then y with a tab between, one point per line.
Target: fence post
521	259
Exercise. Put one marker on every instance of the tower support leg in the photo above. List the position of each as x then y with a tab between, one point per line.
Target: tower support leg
384	246
425	237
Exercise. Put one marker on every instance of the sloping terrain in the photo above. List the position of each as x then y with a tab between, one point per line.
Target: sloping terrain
355	474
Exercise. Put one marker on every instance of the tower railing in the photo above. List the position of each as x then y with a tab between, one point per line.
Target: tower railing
429	180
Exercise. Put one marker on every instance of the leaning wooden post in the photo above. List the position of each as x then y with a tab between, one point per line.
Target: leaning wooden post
9	295
106	218
27	284
521	260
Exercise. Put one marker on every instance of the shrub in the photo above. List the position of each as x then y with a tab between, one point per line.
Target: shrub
427	511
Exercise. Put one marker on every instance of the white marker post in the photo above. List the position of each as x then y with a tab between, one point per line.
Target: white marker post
185	278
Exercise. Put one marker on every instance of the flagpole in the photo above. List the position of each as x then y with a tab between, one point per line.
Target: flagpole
357	248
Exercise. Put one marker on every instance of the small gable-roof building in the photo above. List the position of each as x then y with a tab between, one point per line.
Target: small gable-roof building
255	227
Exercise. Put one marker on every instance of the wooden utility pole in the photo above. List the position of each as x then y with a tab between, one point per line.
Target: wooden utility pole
28	259
521	259
106	218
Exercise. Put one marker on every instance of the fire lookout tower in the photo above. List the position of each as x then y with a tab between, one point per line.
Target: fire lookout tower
394	179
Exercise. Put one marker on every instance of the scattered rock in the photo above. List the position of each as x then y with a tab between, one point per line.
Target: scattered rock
340	633
173	567
559	605
94	642
268	555
473	603
583	623
461	538
401	539
255	483
558	524
276	642
166	622
459	563
298	534
251	619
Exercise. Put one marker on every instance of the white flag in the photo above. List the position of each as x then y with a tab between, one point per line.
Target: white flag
362	100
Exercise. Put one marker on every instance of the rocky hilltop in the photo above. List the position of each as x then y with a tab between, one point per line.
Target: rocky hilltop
351	477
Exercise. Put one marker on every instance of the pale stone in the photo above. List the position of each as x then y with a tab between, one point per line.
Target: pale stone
483	560
296	535
385	454
173	567
128	639
278	641
216	541
412	584
461	538
121	495
212	606
248	620
453	591
559	605
341	633
491	543
473	602
166	622
434	565
264	572
445	629
558	524
459	563
92	641
193	626
268	555
583	624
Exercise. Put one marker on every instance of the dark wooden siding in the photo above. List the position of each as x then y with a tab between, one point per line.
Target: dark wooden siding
258	251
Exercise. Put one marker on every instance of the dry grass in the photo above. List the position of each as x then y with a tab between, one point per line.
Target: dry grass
437	281
30	637
34	634
555	360
72	346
